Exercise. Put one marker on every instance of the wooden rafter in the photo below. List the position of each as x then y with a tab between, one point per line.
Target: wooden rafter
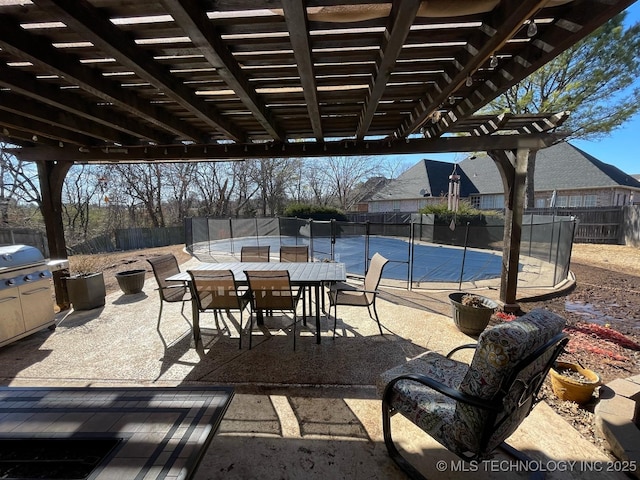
65	101
190	17
52	119
494	33
38	51
92	24
557	38
400	20
297	24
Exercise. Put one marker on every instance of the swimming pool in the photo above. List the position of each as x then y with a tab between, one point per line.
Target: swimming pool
431	262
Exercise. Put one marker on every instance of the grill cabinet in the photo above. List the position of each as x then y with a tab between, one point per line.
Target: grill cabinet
26	301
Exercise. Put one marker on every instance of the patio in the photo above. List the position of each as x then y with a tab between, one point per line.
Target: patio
313	413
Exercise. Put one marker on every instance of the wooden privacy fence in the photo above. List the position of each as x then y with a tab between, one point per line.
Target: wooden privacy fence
603	225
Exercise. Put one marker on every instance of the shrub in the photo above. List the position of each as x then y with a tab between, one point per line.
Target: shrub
466	214
315	212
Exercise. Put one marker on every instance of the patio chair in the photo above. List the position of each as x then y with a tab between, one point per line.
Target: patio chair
217	291
471	409
271	290
294	253
254	253
163	267
297	254
359	296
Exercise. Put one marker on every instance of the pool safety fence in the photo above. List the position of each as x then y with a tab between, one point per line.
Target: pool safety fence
420	253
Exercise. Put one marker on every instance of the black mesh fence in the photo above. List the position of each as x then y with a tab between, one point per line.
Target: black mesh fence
419	252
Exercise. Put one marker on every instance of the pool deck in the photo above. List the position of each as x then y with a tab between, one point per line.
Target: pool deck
313	413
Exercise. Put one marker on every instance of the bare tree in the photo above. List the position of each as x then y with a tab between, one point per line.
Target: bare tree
18	183
273	176
80	189
144	185
345	173
179	178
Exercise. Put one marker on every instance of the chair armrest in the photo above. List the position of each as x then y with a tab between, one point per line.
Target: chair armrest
461	347
443	389
357	290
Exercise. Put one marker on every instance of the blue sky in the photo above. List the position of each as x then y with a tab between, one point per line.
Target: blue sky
621	148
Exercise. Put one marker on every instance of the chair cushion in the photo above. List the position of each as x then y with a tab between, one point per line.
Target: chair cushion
460	427
430	410
498	351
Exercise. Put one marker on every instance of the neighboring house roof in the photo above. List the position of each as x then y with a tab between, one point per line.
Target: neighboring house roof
427	178
559	167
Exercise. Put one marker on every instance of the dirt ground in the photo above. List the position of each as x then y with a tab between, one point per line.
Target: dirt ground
602	311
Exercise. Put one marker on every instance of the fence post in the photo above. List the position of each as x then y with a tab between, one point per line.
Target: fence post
412	246
464	254
367	230
555	263
231	236
553	228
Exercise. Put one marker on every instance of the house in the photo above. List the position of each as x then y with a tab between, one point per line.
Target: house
565	176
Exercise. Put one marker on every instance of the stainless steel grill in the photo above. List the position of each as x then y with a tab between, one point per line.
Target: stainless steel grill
26	302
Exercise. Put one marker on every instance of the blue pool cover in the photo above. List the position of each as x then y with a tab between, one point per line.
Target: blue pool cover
431	263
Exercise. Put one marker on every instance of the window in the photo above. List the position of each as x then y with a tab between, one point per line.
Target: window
541	202
562	201
475	201
492	202
590	200
396	205
575	201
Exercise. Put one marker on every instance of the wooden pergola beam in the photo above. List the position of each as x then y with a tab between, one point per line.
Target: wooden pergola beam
228	152
191	18
295	15
38	51
400	20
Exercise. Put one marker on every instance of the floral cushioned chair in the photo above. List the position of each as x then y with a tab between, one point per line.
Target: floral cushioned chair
471	409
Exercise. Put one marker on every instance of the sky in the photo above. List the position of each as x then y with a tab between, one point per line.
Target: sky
621	148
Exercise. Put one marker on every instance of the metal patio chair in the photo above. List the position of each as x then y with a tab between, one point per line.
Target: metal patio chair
254	253
472	409
163	267
359	296
271	290
294	253
217	291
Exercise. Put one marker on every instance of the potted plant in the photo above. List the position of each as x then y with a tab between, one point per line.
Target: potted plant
131	281
85	283
573	382
471	313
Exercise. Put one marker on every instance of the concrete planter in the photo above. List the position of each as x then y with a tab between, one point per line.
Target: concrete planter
131	281
86	292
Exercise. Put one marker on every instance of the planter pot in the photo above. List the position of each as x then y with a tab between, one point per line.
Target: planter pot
131	281
86	291
567	388
471	320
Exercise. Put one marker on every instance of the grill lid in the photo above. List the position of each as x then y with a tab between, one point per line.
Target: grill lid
17	256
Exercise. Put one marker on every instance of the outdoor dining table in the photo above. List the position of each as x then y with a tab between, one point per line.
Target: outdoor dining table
303	274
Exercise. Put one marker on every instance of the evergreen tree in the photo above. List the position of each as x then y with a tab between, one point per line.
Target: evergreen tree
593	80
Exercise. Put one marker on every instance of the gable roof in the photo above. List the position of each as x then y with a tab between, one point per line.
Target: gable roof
427	178
559	167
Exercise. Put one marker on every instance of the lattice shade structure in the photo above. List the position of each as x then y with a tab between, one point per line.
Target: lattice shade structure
93	80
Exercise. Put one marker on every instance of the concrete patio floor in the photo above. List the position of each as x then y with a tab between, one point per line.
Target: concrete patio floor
312	413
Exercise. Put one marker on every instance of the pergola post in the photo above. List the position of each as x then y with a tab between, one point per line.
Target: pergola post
51	176
512	165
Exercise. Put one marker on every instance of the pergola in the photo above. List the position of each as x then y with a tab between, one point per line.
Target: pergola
108	81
